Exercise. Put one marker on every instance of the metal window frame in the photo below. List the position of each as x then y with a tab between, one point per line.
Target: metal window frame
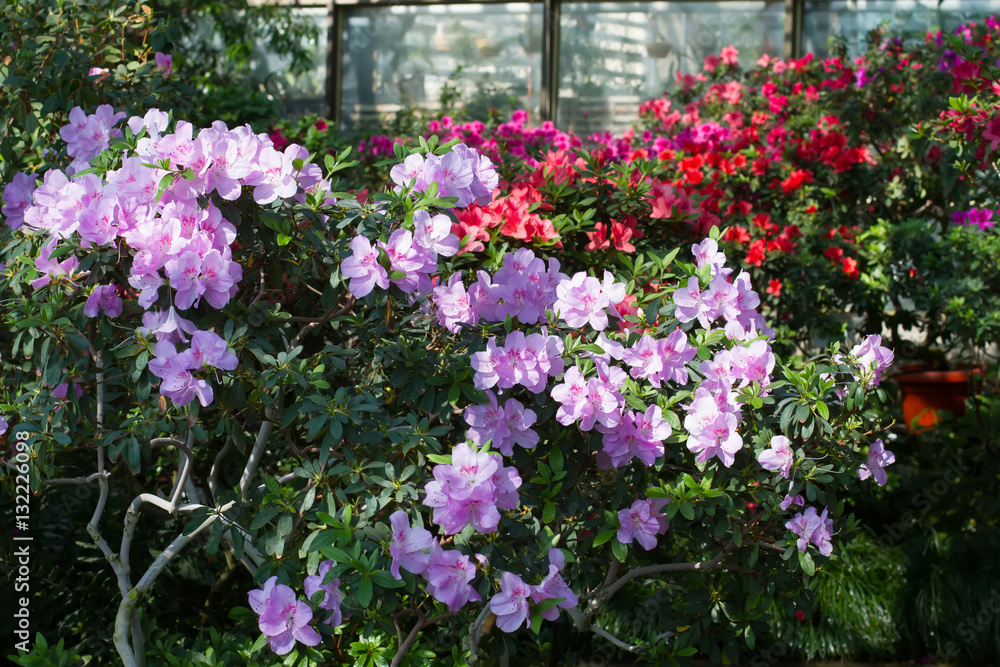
549	93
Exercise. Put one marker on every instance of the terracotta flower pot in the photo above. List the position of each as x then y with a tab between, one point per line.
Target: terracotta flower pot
925	393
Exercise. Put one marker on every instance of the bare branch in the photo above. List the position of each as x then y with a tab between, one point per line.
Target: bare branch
475	633
255	456
422	622
631	648
213	478
329	315
76	480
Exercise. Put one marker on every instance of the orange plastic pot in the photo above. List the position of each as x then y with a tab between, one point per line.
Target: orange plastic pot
926	393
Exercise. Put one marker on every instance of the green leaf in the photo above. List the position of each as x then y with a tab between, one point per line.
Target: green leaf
365	591
604	537
536	622
386	580
556	459
806	562
620	551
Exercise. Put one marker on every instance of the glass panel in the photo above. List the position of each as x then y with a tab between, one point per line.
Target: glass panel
305	93
613	56
410	55
853	20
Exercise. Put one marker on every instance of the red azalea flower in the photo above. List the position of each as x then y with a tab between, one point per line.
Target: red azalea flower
851	267
756	254
738	234
774	287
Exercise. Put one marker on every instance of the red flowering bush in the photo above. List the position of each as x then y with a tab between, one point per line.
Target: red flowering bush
797	160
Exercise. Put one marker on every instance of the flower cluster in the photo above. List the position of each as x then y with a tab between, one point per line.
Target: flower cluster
412	257
523	360
471	490
503	426
448	572
175	234
812	528
462	173
208	350
512	604
284	619
975	217
524	288
86	136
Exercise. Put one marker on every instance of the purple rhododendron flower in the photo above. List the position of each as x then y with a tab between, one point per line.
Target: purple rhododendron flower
104	297
812	528
792	500
17	197
554	586
408	544
281	617
872	358
332	596
164	63
511	604
642	522
449	576
52	269
878	458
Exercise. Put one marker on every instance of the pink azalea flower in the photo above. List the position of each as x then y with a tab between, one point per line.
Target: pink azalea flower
511	604
408	544
779	457
814	529
332	596
449	576
642	522
17	197
878	458
164	63
363	268
554	586
209	349
281	617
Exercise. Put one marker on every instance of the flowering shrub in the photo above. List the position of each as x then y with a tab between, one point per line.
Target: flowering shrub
808	165
423	438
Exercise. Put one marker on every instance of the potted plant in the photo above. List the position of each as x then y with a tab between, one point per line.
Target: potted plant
947	296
